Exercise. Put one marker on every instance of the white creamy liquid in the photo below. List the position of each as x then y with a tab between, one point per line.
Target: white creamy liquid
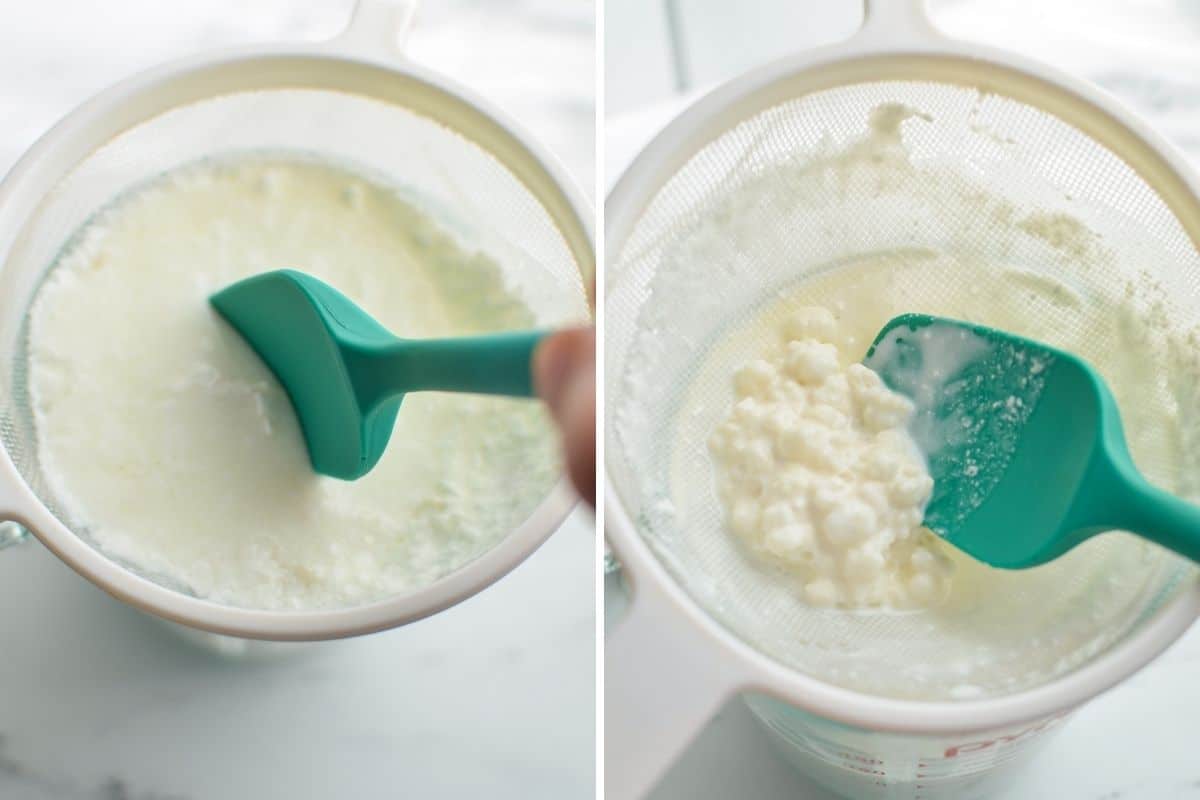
165	440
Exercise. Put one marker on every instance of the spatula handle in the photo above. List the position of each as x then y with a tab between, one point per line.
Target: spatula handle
1159	516
1125	500
498	363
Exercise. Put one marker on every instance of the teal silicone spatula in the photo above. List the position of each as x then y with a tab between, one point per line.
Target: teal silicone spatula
346	374
1024	443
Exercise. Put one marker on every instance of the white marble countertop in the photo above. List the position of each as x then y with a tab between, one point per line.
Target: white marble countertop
1137	742
494	697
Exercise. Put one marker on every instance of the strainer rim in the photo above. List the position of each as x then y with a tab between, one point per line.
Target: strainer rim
147	94
660	160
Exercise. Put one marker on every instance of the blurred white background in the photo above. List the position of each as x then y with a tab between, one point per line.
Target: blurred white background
494	697
661	53
1135	743
534	57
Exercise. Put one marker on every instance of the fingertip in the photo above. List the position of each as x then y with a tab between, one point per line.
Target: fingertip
579	433
556	362
564	368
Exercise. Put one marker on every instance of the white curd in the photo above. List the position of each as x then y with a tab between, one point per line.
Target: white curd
820	477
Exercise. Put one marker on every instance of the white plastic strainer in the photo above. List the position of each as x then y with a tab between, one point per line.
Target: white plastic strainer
356	100
761	187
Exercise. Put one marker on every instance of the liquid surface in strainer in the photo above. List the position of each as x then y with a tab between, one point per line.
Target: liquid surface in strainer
927	210
994	629
163	438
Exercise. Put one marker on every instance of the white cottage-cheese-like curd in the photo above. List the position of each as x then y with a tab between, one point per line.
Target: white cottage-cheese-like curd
820	478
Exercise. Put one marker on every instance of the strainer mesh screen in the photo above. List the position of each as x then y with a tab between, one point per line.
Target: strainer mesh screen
465	189
874	199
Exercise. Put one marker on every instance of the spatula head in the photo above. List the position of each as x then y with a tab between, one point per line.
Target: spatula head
1013	432
310	334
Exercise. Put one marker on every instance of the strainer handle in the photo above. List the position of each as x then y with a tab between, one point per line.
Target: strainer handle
664	679
891	23
378	27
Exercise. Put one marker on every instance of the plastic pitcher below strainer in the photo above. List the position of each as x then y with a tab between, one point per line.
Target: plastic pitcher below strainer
1010	163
